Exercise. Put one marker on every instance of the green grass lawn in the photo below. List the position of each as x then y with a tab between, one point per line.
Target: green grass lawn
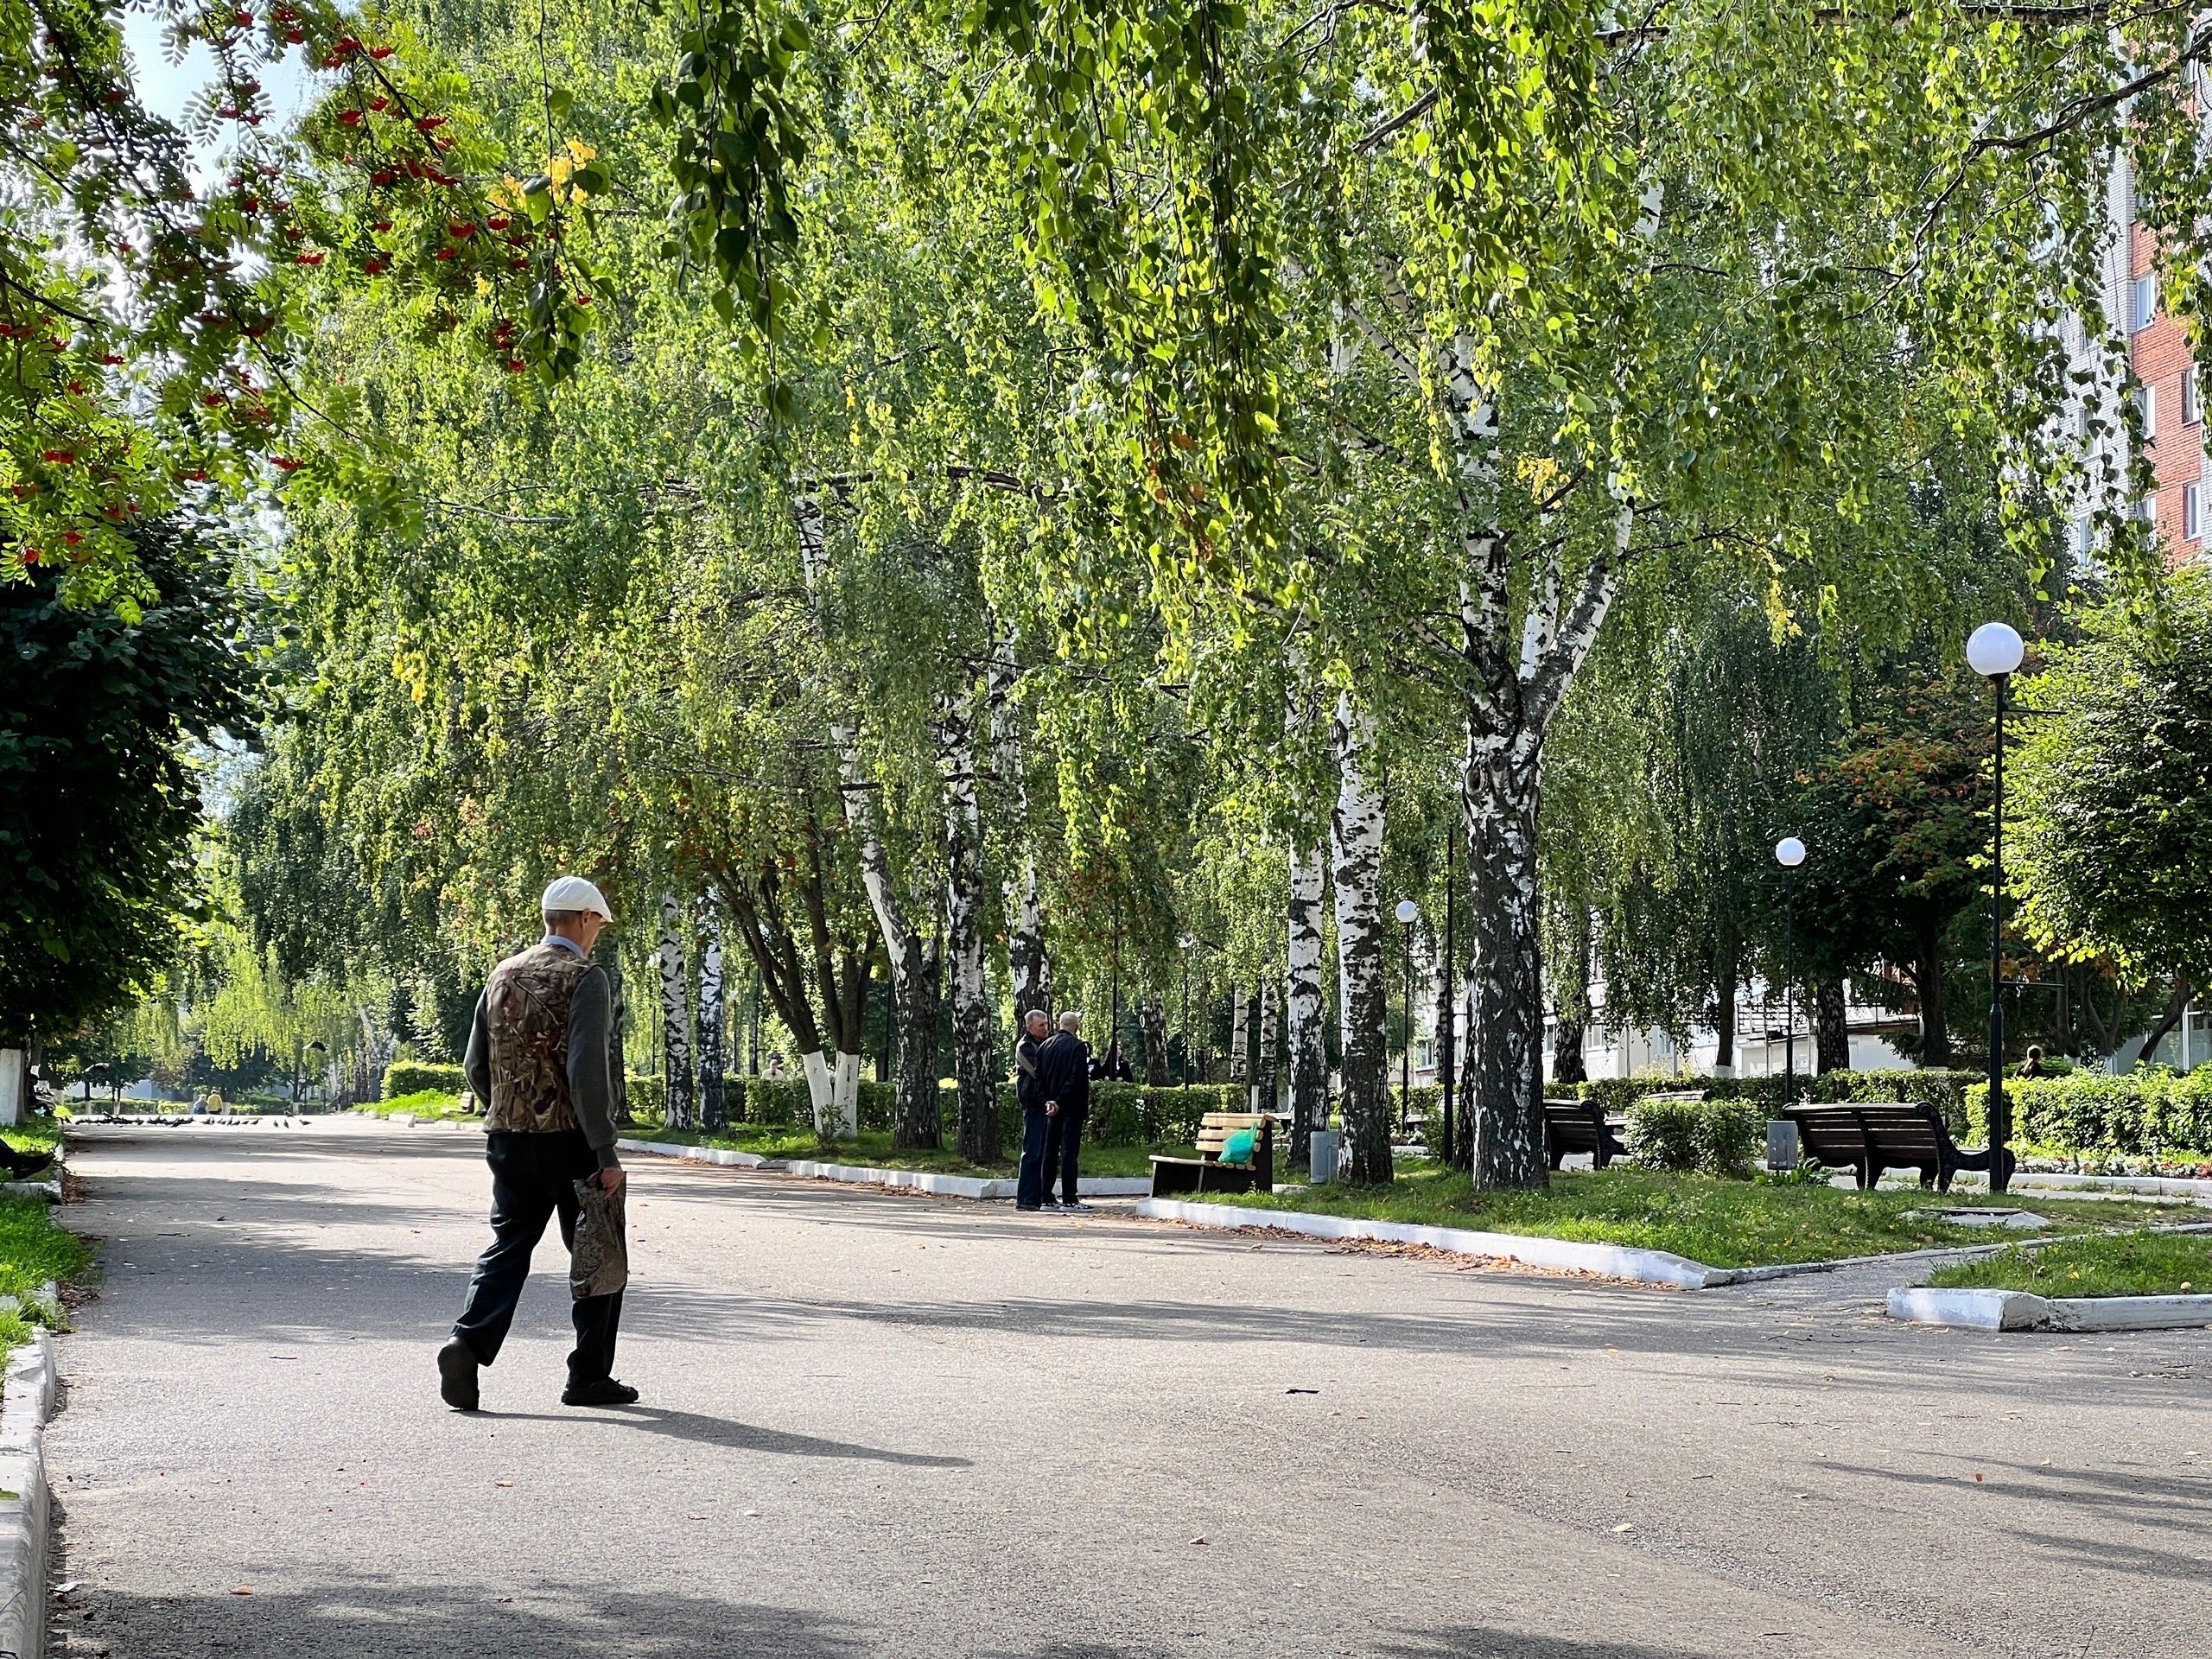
1719	1223
2117	1264
873	1150
33	1250
431	1103
34	1135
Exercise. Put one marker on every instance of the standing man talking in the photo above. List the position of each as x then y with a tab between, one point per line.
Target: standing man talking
538	1057
1029	1091
1066	1065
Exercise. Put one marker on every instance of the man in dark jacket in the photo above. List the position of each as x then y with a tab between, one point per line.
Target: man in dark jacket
1029	1090
538	1057
1066	1068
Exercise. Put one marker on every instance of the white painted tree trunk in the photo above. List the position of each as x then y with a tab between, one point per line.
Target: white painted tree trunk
830	1123
675	1022
714	1107
1355	844
845	1094
974	1064
1304	1000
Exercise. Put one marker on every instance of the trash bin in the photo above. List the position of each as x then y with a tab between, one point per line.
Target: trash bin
1781	1150
1322	1151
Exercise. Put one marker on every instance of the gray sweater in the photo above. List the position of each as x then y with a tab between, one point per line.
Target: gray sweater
591	1090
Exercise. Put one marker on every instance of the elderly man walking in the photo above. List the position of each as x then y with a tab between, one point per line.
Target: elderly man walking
1029	1091
1066	1065
537	1056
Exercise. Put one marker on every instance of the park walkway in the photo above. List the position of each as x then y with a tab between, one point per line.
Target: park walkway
878	1425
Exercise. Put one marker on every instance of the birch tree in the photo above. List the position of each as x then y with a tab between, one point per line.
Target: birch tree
678	1105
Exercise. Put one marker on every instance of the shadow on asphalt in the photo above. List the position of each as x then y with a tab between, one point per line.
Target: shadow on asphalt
741	1437
381	1618
1475	1642
1490	1314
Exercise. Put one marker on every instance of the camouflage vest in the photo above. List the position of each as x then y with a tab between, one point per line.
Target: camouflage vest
527	1018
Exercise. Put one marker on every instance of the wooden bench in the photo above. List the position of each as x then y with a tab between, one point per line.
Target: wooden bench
1207	1173
1576	1125
1871	1136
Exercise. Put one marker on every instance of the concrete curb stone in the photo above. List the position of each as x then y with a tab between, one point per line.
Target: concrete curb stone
26	1509
2020	1310
918	1180
1607	1260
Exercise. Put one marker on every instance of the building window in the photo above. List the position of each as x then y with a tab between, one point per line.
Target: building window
2085	537
2146	302
2192	412
2147	406
2192	511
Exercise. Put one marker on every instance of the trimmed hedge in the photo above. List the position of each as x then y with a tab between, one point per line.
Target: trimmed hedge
2144	1113
403	1077
1716	1137
1946	1090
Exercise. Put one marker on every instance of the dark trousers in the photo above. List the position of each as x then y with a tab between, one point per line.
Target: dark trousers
533	1178
1029	1190
1062	1141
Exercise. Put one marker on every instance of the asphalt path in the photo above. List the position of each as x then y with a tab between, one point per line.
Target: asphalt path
879	1424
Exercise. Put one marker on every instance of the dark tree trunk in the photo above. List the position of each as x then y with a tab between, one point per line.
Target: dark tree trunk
1151	1021
1831	1027
1724	1013
1568	1063
2176	1005
1927	983
918	1121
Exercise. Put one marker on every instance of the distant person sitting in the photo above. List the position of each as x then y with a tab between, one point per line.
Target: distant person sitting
1066	1065
2032	1066
1112	1066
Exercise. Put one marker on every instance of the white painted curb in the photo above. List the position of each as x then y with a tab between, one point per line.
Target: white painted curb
695	1154
2160	1186
918	1180
25	1508
1608	1260
2018	1310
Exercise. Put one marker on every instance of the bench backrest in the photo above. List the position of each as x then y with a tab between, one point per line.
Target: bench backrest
1840	1133
1216	1127
1572	1124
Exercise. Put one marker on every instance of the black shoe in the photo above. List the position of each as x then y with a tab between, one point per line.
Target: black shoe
605	1392
457	1375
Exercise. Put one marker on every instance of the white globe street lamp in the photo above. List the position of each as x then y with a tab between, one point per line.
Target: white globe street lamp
1790	853
1994	651
1408	913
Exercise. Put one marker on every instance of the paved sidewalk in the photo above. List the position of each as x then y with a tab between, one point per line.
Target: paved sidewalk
880	1424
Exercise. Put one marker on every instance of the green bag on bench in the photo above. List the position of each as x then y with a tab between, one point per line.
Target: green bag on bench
1237	1149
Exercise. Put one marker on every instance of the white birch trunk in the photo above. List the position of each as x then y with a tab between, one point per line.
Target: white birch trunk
1355	844
1305	1001
913	960
714	1107
1027	965
1263	1069
1240	1032
675	1022
973	1062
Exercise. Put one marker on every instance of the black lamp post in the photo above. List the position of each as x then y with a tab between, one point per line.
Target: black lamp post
1446	1039
1790	853
1993	651
1186	942
1409	913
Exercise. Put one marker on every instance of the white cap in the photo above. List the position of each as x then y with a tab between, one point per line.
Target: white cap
574	892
